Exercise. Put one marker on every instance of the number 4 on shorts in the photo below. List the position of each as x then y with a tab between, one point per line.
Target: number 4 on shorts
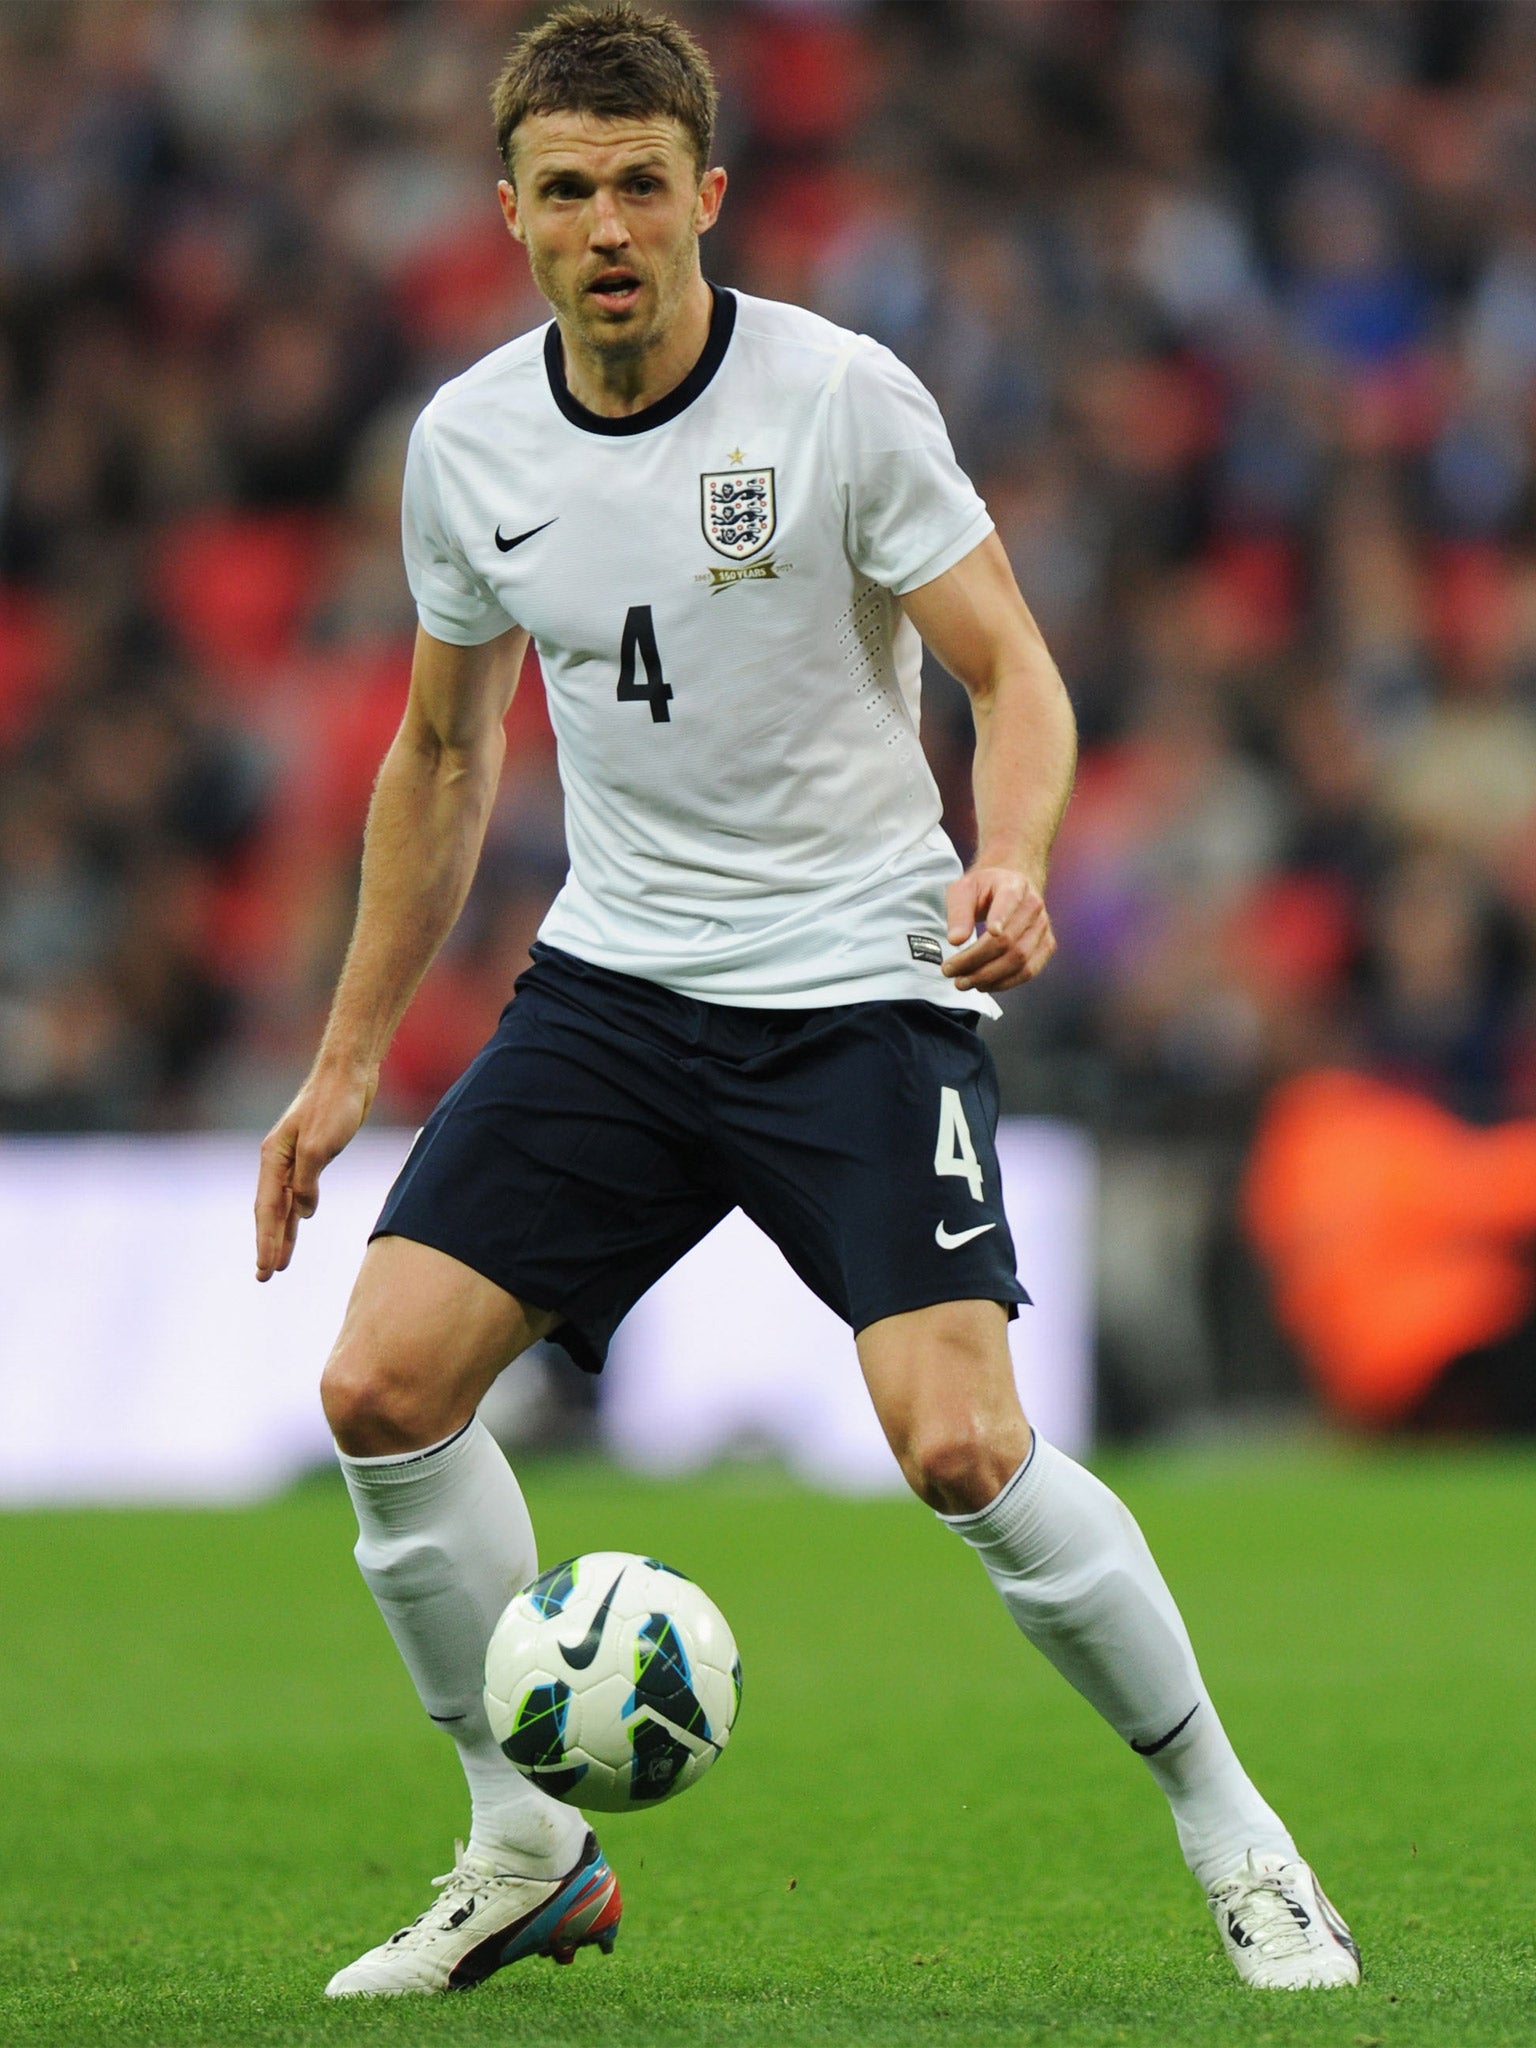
955	1155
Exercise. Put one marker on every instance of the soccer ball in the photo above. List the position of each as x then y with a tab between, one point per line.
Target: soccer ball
612	1681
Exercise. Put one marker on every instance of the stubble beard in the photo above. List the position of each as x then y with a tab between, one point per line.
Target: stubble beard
615	342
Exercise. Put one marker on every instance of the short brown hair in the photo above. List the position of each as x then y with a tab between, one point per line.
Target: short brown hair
614	61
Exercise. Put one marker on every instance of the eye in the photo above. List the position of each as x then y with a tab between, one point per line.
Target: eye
643	187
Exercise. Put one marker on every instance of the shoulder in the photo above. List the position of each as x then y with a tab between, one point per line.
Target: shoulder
495	385
853	371
775	325
794	343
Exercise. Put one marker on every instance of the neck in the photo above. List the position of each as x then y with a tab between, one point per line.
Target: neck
616	385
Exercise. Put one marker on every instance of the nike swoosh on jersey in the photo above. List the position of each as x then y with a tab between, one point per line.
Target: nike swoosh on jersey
517	539
580	1655
946	1243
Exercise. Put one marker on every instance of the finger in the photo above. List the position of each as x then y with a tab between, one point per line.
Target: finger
272	1254
272	1202
270	1232
1028	920
962	908
274	1198
1013	928
1008	906
978	954
993	964
1015	966
308	1164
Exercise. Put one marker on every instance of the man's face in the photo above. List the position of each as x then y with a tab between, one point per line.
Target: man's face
610	212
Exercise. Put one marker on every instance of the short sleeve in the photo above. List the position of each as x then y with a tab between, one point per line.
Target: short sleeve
912	510
452	602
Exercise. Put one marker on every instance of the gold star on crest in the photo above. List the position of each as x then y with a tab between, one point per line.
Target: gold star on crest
736	455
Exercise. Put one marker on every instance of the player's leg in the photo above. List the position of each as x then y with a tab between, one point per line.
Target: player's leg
561	1170
1074	1571
444	1541
867	1151
863	1143
1069	1561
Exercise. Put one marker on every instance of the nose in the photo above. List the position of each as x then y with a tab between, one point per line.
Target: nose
607	230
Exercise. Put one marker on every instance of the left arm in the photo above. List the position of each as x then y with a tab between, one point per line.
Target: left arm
976	622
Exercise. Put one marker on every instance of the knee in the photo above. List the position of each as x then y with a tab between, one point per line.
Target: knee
378	1405
959	1464
943	1387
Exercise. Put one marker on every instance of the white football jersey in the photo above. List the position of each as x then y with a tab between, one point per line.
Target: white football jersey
711	585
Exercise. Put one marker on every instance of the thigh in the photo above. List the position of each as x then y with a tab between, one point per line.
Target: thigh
863	1143
948	1365
423	1338
570	1165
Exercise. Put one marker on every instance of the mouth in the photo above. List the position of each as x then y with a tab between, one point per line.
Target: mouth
616	291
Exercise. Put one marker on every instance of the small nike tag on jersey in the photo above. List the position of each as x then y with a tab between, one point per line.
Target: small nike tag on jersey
517	539
946	1243
924	948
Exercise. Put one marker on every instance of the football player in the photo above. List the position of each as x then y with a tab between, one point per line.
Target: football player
729	528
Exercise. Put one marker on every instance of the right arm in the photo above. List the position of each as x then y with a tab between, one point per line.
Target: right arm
426	823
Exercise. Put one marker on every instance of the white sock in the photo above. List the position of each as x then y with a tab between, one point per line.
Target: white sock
1075	1573
444	1541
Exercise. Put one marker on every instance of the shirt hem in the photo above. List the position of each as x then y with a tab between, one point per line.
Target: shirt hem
452	634
886	986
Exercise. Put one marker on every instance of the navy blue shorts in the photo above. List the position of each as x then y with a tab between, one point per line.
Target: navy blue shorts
609	1124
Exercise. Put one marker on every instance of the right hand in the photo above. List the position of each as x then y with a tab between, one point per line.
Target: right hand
323	1117
997	915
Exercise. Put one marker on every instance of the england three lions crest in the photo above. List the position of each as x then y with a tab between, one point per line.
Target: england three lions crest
738	511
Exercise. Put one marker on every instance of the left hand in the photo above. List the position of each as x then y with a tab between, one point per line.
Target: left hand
1003	913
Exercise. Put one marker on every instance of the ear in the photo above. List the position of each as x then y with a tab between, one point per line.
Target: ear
706	209
506	192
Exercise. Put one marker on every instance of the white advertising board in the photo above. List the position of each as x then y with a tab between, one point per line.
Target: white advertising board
139	1360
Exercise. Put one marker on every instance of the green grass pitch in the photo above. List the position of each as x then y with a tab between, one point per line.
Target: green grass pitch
218	1785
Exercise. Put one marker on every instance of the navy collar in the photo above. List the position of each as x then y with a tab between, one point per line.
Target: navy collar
722	324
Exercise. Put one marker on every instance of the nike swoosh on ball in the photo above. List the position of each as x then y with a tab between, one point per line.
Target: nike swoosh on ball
580	1655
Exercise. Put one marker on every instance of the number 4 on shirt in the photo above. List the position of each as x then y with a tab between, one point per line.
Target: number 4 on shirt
640	639
955	1154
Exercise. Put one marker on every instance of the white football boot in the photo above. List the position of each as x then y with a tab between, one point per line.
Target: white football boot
483	1919
1280	1930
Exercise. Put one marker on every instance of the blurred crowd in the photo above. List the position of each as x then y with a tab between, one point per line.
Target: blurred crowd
1231	307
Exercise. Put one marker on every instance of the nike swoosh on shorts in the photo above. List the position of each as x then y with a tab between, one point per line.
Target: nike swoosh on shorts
946	1243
